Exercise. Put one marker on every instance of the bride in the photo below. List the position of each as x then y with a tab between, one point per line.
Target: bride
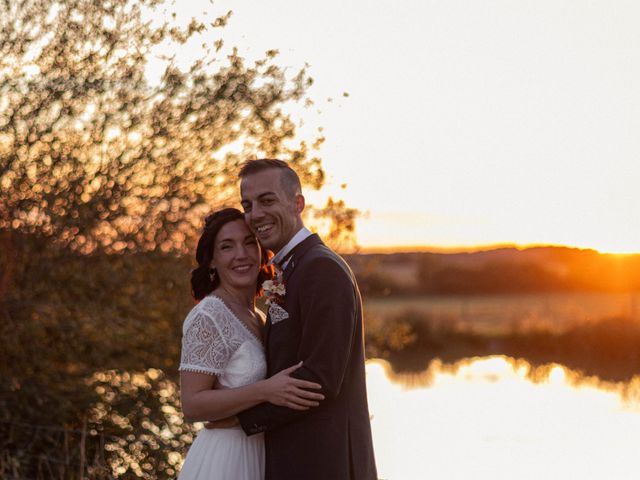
223	365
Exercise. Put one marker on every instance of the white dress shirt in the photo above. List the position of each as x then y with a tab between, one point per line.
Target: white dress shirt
299	237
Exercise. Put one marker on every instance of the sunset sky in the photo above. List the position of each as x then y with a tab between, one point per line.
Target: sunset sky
468	122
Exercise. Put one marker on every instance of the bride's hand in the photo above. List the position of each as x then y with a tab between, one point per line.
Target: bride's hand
284	390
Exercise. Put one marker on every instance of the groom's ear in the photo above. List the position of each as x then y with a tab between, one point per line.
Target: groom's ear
300	203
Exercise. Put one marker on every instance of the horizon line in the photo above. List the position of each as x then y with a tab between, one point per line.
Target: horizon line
387	249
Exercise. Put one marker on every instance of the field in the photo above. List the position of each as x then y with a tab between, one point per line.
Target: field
597	334
501	314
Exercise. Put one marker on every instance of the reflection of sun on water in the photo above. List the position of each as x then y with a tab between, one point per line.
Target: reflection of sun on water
500	418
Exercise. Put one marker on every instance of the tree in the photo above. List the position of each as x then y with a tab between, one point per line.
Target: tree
96	157
97	160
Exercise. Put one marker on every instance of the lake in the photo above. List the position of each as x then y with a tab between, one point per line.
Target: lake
498	418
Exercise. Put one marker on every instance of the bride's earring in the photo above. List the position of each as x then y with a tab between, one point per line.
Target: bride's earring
212	274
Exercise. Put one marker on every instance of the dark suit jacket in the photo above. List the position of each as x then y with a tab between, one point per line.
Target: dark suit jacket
325	331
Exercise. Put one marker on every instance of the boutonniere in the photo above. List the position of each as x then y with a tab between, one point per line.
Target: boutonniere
274	290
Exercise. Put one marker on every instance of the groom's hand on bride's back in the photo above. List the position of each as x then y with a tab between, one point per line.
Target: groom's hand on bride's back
282	389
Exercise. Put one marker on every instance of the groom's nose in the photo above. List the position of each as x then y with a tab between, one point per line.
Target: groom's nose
256	211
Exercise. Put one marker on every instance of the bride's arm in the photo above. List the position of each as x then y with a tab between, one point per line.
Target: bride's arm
202	402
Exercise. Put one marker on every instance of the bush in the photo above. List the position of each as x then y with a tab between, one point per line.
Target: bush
90	349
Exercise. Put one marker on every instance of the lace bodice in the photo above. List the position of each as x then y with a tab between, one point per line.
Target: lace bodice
216	342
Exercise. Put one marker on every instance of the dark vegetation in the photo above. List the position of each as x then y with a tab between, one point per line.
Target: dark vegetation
502	271
90	348
608	349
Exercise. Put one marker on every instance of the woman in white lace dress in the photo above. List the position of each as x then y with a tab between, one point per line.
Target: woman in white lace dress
223	366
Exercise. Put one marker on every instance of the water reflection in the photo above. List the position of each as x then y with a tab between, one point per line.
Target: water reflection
494	417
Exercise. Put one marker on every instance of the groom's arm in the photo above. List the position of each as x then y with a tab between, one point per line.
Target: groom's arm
328	308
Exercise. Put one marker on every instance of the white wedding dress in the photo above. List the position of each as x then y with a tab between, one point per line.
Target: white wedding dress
216	342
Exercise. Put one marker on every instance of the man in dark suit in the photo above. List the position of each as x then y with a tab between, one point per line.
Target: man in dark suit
318	320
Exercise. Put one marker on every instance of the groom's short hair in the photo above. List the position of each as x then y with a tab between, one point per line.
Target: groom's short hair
289	179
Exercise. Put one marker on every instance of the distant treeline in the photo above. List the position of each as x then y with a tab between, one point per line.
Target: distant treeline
505	270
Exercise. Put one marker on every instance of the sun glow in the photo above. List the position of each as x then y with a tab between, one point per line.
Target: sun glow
389	233
454	248
631	249
508	143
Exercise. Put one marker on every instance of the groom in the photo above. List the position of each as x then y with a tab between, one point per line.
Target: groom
319	321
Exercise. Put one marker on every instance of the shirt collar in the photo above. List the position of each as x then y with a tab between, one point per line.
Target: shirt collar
298	238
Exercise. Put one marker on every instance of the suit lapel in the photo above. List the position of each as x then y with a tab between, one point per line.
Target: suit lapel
287	271
298	253
267	332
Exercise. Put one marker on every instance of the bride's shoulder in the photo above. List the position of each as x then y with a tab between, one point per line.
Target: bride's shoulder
210	307
210	301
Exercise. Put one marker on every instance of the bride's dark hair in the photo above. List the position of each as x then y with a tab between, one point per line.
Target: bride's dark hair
203	279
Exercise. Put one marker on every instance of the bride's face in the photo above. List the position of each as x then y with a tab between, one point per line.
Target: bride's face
236	255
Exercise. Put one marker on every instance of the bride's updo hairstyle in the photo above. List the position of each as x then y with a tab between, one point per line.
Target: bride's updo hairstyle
204	280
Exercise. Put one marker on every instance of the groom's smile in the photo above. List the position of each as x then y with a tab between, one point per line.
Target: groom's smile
264	229
263	232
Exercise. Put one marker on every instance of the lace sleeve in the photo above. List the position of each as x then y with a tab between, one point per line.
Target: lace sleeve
204	349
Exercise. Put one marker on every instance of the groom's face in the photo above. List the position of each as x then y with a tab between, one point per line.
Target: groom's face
272	213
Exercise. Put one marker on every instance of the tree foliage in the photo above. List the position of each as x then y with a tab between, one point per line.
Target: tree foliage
93	342
105	175
95	156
